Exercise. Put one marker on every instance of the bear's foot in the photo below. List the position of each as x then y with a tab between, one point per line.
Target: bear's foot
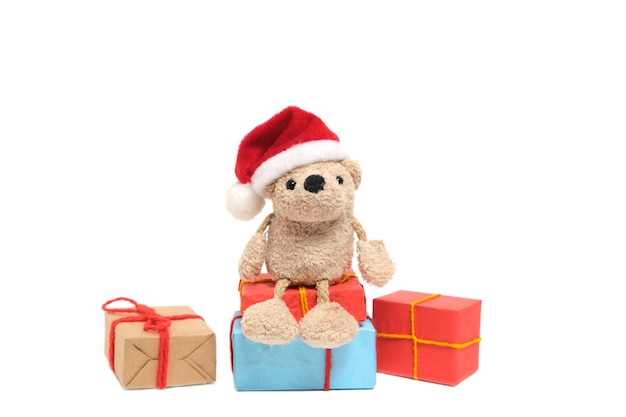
328	325
269	322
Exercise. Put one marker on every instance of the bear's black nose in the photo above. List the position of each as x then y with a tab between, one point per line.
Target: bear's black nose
314	183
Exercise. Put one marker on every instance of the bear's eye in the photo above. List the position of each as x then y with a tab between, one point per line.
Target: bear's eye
339	180
291	184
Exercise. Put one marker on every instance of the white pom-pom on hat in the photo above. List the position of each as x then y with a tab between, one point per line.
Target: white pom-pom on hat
242	202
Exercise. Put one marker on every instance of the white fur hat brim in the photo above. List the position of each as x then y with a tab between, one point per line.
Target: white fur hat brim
298	155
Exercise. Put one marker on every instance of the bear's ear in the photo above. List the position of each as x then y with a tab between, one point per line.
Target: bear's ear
269	190
354	169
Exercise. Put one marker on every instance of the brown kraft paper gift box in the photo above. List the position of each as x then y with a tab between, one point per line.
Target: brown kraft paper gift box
178	348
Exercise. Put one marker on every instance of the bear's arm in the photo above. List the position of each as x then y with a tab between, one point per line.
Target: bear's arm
375	264
254	253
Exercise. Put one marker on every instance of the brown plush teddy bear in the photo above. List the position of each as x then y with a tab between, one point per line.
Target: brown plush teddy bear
295	161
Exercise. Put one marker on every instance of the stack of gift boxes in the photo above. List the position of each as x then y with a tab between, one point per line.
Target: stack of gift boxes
297	366
428	337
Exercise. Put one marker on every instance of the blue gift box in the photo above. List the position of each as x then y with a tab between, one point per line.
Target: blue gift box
298	366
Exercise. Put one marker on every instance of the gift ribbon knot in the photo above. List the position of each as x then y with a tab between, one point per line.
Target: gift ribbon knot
156	322
153	322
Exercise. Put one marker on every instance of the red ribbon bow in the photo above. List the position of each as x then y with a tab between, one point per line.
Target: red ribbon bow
153	322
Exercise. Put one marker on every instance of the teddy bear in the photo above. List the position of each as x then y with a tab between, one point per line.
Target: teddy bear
295	161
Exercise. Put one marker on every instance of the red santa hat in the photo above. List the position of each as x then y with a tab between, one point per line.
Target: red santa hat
289	139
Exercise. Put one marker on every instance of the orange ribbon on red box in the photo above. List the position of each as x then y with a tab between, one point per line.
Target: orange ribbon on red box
304	304
417	341
153	322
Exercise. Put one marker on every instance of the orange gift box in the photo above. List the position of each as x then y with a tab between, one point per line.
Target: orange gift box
348	292
430	337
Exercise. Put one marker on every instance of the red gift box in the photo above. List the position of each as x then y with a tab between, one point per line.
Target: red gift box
348	292
430	337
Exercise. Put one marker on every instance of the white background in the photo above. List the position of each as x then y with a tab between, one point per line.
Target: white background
491	138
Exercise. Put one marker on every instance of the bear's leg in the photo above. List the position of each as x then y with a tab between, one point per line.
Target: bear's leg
270	321
327	325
